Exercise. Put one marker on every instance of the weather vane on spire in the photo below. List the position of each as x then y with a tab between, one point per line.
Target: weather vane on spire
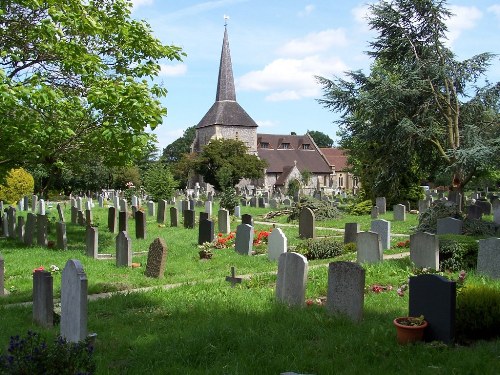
226	17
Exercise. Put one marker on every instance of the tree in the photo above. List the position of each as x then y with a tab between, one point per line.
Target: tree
76	83
174	151
321	139
18	183
419	112
159	182
224	162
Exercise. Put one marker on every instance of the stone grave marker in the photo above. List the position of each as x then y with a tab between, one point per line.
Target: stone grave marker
123	250
2	277
20	228
350	232
223	221
74	214
140	225
287	202
399	212
346	289
5	224
253	202
380	202
29	232
233	279
157	258
100	199
307	223
135	201
383	228
369	247
423	205
11	219
292	278
424	250
43	300
41	230
60	212
244	239
81	218
61	239
88	217
79	203
123	205
247	219
189	219
261	202
277	244
26	203
237	212
273	203
134	210
485	206
488	257
34	203
116	202
151	208
112	219
208	208
496	210
73	302
434	297
474	212
173	217
449	225
92	241
122	221
204	216
206	231
374	212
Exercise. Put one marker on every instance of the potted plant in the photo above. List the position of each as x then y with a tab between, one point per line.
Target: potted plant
410	329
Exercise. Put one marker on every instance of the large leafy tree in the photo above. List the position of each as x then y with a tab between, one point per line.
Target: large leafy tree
174	151
321	139
76	83
420	110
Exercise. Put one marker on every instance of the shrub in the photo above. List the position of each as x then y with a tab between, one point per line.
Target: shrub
320	248
322	210
361	208
350	247
32	355
228	199
18	183
159	182
457	252
478	313
427	221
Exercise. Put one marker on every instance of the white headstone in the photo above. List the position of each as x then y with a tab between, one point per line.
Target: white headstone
424	250
292	279
277	244
369	247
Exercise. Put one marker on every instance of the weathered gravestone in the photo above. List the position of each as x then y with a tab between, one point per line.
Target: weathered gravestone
112	219
424	250
123	205
292	278
474	212
350	232
20	228
100	200
287	202
374	212
41	207
43	302
29	232
41	230
423	205
123	250
399	212
189	219
307	223
261	202
173	217
61	239
60	212
140	225
277	244
369	247
92	241
485	206
5	224
237	212
81	218
157	257
11	219
151	208
73	302
449	225
247	219
122	221
346	289
206	231
488	257
204	216
244	239
208	208
253	202
79	203
434	297
380	202
26	203
2	277
223	221
34	203
273	203
496	210
383	228
88	217
74	214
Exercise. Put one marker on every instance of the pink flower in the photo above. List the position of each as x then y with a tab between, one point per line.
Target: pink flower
41	268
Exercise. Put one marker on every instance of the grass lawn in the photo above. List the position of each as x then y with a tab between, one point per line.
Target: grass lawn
210	328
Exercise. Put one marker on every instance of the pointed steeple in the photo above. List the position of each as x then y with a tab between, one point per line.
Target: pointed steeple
225	84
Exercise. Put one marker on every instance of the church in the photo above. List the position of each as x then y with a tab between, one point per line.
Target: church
289	157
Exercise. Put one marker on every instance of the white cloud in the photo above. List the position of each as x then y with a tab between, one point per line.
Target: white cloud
495	9
307	10
173	70
291	79
314	42
266	123
137	3
463	18
361	14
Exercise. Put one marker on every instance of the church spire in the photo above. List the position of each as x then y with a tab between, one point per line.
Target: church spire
225	84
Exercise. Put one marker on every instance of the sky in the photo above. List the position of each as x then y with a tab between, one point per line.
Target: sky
277	48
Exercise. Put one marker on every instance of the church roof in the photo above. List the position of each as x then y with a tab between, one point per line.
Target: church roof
225	110
336	157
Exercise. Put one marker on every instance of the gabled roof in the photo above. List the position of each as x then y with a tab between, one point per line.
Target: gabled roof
278	159
336	157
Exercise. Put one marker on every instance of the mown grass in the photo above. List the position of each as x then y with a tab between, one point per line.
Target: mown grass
211	328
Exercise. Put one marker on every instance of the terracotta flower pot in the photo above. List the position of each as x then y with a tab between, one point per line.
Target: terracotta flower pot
407	334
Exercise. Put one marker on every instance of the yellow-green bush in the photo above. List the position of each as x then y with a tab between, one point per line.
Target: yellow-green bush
18	183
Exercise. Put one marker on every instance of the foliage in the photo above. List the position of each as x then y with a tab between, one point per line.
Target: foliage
32	355
350	247
159	182
361	208
478	227
18	183
123	176
229	199
77	85
224	162
457	252
321	139
293	188
419	112
306	175
322	210
320	248
427	220
478	313
174	151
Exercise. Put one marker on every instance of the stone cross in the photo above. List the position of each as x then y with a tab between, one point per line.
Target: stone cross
233	279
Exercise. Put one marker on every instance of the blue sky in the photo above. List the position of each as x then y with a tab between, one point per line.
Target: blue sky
277	47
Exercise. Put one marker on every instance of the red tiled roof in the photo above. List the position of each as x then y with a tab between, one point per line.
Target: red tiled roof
336	157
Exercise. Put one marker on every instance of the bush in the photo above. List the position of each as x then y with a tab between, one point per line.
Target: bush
361	208
228	200
427	221
18	183
159	182
457	252
322	210
32	355
320	248
478	313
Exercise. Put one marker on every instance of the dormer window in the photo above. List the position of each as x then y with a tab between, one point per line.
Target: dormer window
306	146
285	146
264	144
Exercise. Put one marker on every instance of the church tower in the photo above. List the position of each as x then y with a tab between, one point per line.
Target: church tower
226	119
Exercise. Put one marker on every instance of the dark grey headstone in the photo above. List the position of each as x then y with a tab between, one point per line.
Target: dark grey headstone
350	232
380	202
204	216
30	228
2	276
244	239
307	223
140	225
157	257
488	257
247	219
123	250
162	211
61	239
112	227
81	218
173	217
92	241
474	211
20	228
449	225
122	221
60	212
43	302
88	217
485	206
206	231
41	230
189	219
11	217
74	215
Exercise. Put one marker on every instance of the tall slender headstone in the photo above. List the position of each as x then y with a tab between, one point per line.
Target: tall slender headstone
189	219
20	228
162	207
61	239
2	277
41	207
41	230
173	216
26	203
380	202
277	244
60	212
112	219
140	225
29	231
488	257
151	208
208	208
92	242
122	221
292	279
34	203
74	215
223	221
123	250
43	302
11	218
157	258
244	239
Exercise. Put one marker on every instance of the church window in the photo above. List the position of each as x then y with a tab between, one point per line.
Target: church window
341	181
285	146
306	146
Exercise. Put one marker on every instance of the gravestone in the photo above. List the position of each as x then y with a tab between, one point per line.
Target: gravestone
11	219
123	205
206	231
116	202
233	279
43	300
41	230
123	250
423	205
20	205
151	208
244	239
474	212
307	223
488	257
383	228
208	208
292	278
237	212
399	211
223	221
20	228
2	277
79	203
485	206
61	239
34	203
369	247
73	302
374	212
26	203
243	202
350	232
346	290
189	219
29	232
287	202
449	225
424	250
157	258
261	202
247	219
140	225
92	242
173	217
81	218
434	297
134	210
253	202
60	212
88	217
135	201
191	204
496	210
100	199
74	214
277	244
204	216
455	197
380	202
5	224
122	221
273	203
112	219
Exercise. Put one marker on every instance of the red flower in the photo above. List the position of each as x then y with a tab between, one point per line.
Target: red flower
39	269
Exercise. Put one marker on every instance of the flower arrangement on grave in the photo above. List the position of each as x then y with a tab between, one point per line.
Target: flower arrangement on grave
411	321
225	242
261	237
403	244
